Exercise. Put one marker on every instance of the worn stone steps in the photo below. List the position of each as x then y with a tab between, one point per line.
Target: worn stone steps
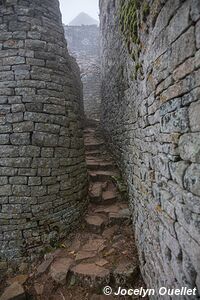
103	175
100	165
100	252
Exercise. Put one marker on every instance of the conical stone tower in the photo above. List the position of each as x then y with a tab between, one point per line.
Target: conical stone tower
43	179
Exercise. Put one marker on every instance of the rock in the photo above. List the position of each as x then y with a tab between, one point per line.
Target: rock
101	262
21	279
176	121
125	273
94	245
109	252
189	147
54	254
14	292
194	116
108	209
84	255
102	175
109	232
91	274
177	170
95	192
23	268
109	196
59	269
75	246
120	217
95	223
39	288
192	179
43	267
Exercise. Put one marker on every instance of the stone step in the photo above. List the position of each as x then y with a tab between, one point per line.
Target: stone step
123	216
90	274
95	192
93	153
59	269
14	292
107	209
109	197
102	175
95	223
125	273
94	145
97	165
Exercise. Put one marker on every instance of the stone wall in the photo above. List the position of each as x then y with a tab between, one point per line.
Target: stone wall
83	44
43	181
150	116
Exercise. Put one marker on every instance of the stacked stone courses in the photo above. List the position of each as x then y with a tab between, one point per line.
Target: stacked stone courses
43	178
83	44
151	118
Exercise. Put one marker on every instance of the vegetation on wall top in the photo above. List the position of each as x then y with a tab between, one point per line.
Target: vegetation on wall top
129	21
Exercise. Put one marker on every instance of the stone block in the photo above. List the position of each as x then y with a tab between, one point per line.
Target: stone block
194	119
25	126
22	74
197	34
45	127
189	147
18	26
3	180
189	245
34	181
14	99
54	109
170	106
21	190
177	170
195	10
5	129
44	139
17	108
4	139
15	60
38	191
21	180
29	151
192	179
15	117
5	190
177	121
37	107
47	152
20	138
35	44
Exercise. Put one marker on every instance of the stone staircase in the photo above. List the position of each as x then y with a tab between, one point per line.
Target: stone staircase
101	252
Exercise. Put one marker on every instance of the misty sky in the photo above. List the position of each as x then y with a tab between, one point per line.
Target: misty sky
71	8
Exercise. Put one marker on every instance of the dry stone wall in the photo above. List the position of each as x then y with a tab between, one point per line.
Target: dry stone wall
43	181
83	44
150	116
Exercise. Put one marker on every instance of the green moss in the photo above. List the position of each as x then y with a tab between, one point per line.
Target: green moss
145	10
129	22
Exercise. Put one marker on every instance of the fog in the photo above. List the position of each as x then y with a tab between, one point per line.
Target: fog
71	8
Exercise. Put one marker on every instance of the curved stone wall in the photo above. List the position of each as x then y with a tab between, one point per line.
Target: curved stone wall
43	181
